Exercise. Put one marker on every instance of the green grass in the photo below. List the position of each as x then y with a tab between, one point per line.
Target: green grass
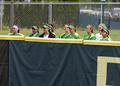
115	34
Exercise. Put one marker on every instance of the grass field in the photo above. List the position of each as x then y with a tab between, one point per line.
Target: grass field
115	34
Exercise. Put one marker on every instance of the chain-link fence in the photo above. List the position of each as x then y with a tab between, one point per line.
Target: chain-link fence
81	14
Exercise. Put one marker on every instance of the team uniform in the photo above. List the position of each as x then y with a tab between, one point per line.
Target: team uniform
53	34
64	35
98	36
34	35
15	31
106	39
49	34
73	36
16	34
35	32
87	36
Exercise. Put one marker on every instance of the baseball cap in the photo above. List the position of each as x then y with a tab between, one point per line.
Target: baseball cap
104	26
71	26
45	26
35	27
107	31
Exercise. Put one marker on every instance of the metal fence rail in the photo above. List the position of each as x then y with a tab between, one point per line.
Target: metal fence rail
63	3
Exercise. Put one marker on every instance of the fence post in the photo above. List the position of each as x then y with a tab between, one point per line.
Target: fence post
50	13
102	11
1	14
12	13
101	17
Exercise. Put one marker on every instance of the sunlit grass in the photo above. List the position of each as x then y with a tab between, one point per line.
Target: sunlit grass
115	34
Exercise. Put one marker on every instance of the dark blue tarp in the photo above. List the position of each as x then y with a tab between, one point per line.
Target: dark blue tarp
4	57
54	64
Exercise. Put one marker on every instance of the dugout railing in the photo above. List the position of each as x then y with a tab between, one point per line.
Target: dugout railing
58	40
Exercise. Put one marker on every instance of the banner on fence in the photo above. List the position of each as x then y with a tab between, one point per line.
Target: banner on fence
61	64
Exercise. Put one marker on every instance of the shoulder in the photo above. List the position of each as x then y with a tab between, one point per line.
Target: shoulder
20	34
10	33
97	34
51	35
92	34
41	35
62	35
85	34
29	35
76	34
109	38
